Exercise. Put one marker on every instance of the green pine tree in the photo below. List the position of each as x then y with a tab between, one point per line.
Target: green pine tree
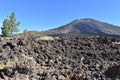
10	26
6	28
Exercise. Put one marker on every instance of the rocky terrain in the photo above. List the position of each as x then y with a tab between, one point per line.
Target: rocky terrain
60	58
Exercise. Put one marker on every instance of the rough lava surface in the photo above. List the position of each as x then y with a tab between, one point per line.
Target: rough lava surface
63	58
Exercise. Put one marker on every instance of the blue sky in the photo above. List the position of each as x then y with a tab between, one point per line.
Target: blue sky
42	15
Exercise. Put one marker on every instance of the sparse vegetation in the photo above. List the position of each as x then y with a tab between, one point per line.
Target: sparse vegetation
47	38
25	33
28	34
31	34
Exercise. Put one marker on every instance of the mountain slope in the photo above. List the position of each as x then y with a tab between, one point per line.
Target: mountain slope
85	26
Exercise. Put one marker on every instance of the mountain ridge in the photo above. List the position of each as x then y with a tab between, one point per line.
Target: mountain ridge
85	26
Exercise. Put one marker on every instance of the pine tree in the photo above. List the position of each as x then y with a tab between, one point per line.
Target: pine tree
10	26
13	24
6	28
